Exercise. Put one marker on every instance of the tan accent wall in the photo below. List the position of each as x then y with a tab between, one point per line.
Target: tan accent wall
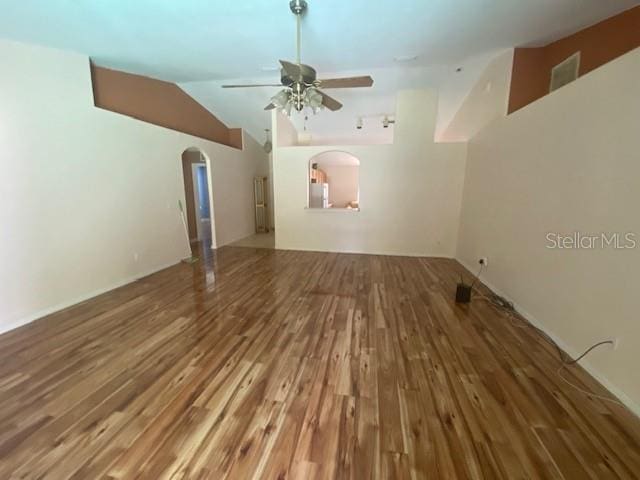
158	102
235	137
598	44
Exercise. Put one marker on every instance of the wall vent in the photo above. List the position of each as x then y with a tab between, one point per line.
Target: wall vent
565	72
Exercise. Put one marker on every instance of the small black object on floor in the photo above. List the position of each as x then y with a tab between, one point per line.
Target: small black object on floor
463	293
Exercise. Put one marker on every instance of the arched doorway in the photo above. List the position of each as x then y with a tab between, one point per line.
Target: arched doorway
197	194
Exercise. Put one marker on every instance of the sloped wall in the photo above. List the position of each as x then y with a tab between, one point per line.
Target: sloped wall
597	45
161	103
567	163
486	101
89	197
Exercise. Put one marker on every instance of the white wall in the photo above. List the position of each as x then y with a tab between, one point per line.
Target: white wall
343	183
568	162
410	191
233	201
487	101
270	208
286	135
84	189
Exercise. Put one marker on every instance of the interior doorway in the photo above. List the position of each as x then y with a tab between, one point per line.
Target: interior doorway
201	201
197	195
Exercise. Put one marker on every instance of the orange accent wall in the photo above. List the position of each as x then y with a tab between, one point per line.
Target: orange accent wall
158	102
598	45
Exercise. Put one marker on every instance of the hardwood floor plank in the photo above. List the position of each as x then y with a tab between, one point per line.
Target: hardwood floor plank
282	365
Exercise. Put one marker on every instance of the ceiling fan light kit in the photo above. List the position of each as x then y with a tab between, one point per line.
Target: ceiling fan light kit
268	146
301	86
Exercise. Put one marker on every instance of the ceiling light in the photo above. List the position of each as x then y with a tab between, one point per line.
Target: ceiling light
268	146
287	109
298	97
313	98
281	99
271	68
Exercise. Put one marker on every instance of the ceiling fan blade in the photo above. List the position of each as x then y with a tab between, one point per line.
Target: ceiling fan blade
291	69
331	103
348	82
251	86
271	106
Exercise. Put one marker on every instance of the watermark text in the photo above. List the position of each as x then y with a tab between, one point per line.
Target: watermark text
591	241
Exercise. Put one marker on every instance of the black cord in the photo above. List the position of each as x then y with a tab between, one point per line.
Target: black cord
477	276
507	306
596	345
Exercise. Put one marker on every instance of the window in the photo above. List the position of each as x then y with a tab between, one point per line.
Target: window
333	181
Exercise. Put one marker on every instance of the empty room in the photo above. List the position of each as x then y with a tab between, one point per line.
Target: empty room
319	239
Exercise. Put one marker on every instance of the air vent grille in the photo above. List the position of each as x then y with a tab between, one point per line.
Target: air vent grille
565	72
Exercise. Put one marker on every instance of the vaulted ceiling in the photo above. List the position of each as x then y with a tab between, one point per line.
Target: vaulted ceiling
203	43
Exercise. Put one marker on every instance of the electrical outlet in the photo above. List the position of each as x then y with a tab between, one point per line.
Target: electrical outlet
484	261
135	257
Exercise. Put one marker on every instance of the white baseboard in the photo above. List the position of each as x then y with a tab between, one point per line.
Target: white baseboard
363	252
623	397
82	298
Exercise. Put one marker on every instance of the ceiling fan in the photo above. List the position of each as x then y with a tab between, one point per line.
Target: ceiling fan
301	87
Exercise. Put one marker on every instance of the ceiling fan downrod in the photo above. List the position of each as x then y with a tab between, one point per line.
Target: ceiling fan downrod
301	87
298	7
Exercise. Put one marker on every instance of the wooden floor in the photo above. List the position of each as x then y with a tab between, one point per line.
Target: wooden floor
278	364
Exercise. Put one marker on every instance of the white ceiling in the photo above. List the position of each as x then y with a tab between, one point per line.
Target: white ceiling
198	43
244	107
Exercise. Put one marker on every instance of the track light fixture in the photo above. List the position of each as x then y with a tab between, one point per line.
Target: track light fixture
386	122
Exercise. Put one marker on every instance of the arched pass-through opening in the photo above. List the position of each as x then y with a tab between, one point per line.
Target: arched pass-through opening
198	211
333	181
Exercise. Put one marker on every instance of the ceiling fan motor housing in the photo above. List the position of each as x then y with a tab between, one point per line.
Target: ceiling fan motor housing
307	74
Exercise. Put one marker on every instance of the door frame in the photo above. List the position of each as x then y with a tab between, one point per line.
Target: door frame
196	198
187	185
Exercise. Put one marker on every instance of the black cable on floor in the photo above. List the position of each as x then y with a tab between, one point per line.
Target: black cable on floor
509	309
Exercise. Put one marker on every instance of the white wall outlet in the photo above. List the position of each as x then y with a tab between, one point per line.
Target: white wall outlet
135	257
484	261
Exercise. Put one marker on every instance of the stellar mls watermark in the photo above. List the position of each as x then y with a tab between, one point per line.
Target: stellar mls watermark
591	241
